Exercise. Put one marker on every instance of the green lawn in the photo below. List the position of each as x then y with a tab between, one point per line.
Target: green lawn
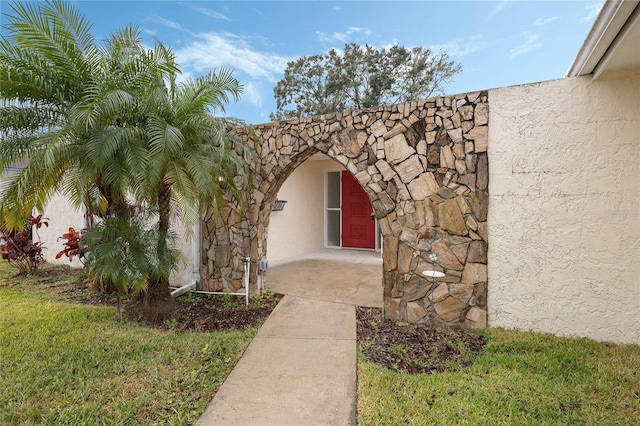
521	379
65	363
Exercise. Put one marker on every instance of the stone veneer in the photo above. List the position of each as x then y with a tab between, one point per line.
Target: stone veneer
423	165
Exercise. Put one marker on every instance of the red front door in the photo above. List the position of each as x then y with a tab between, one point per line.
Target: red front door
358	227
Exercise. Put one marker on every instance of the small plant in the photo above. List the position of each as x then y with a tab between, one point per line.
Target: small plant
189	297
122	255
73	245
260	299
400	349
119	253
229	302
18	247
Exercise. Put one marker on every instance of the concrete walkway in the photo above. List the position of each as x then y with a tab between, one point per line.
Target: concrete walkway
300	369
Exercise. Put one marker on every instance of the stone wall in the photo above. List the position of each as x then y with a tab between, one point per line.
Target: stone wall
423	165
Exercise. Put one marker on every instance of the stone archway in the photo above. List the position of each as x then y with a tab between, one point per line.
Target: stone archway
423	164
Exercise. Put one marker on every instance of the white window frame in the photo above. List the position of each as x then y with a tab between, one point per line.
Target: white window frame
326	208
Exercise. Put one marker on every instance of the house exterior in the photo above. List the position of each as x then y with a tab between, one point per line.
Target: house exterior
564	181
62	215
563	220
564	216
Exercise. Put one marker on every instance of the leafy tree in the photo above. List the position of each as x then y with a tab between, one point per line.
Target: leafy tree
63	99
360	77
109	126
46	64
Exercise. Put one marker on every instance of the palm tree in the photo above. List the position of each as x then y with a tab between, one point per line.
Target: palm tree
194	158
123	256
47	62
62	99
109	126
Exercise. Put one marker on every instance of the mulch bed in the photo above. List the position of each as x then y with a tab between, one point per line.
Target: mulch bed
200	312
415	348
412	348
217	312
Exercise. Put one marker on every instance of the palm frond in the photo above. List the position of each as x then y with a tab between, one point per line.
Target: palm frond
209	92
164	139
55	31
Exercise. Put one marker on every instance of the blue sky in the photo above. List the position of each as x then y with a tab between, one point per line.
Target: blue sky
498	43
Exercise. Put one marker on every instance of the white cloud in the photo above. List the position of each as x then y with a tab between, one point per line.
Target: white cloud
212	13
461	47
168	23
498	8
252	94
544	21
344	36
530	43
592	12
152	33
214	50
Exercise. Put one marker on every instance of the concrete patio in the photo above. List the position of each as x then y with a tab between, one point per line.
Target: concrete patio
352	277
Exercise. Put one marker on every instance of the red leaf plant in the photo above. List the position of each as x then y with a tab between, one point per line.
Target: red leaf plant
18	247
72	245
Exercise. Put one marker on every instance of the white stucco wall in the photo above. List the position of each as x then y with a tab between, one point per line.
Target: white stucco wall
299	228
564	212
62	215
189	245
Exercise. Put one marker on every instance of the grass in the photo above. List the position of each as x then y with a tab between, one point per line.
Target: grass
521	378
65	363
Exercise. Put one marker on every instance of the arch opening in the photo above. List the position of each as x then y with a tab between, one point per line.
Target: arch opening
304	247
421	164
322	200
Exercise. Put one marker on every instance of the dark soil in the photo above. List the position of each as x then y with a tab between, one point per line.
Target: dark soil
200	312
412	348
220	312
415	348
85	293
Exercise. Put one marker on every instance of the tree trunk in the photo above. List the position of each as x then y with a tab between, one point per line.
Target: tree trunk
159	306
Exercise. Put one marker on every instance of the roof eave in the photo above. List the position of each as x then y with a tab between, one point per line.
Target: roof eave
611	19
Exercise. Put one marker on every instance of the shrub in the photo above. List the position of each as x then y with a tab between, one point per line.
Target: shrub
73	245
18	247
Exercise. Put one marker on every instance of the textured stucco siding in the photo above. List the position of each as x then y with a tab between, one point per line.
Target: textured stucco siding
188	242
62	215
299	228
564	215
